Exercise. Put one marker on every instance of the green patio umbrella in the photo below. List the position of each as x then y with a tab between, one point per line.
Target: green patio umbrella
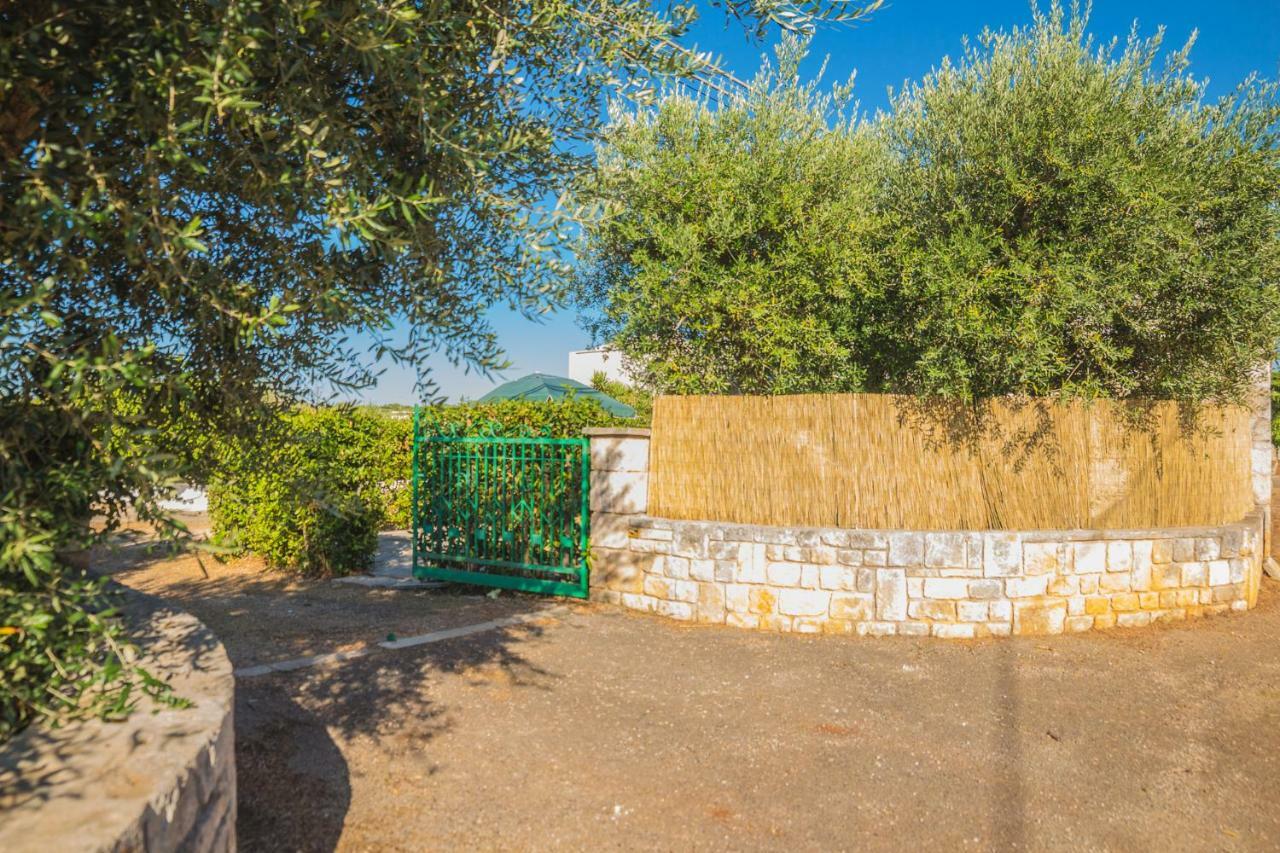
542	386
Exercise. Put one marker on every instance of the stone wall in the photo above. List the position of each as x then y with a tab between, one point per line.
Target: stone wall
162	780
944	584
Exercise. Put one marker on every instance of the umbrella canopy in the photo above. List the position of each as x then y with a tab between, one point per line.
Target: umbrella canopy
542	386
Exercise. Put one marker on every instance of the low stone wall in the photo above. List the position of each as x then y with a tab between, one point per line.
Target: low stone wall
944	584
157	781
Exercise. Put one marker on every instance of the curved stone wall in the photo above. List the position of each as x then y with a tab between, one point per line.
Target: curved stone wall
944	584
156	781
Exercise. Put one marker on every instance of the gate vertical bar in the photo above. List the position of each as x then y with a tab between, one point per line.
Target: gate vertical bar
585	481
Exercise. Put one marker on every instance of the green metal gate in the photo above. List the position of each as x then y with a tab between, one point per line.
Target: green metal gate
501	511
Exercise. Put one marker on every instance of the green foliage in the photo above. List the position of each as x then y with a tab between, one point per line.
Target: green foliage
1062	218
1041	217
733	254
553	418
200	201
637	398
310	500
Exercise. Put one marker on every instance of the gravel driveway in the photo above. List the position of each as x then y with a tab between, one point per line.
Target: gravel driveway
585	727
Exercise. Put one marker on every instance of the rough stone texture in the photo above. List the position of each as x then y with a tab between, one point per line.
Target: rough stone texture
956	584
157	781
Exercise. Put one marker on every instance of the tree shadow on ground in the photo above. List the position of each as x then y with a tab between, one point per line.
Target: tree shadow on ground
296	730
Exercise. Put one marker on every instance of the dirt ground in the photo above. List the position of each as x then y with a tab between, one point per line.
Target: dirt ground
601	729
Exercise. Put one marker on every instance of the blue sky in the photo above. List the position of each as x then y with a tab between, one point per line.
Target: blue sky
902	42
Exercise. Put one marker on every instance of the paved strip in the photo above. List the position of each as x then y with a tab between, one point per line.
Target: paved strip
402	643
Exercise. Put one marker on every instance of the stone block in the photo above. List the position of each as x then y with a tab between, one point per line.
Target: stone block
711	603
1133	620
1166	576
681	610
1089	557
835	538
972	611
803	602
1026	587
1162	551
643	603
737	597
1076	624
809	576
698	569
1219	572
1232	542
1115	582
985	589
676	568
863	539
866	580
906	549
1088	584
1063	585
1097	604
944	611
852	607
1142	551
784	574
610	530
1075	605
946	588
657	587
807	625
944	550
691	540
999	629
1208	548
1184	550
875	558
1193	574
1001	611
1001	554
891	594
838	577
849	557
1125	601
1039	617
954	632
913	629
741	620
683	591
1239	570
877	629
762	601
1042	558
1119	556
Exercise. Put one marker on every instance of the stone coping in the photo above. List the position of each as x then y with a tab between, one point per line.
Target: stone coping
785	535
620	432
163	779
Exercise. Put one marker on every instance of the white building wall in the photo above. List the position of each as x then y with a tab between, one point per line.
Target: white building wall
586	363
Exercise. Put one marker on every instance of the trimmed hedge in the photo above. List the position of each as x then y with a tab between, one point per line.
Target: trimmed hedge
312	496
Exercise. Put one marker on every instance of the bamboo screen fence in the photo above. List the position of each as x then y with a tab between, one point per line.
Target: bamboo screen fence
876	461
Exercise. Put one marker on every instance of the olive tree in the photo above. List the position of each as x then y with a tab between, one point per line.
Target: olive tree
1043	216
201	201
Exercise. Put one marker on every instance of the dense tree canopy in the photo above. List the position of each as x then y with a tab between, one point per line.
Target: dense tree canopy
1044	216
201	200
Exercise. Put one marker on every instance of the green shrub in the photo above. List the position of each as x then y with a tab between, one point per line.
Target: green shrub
311	494
310	498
